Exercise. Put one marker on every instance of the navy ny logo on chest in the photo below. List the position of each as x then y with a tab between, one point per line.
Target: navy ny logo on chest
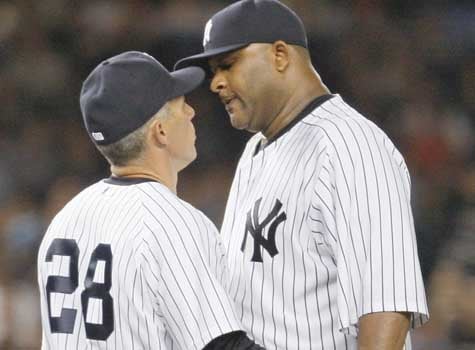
256	223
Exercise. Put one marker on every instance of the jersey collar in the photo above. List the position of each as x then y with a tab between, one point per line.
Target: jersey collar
306	111
127	181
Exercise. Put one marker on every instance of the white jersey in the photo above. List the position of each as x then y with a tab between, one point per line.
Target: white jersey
128	265
319	231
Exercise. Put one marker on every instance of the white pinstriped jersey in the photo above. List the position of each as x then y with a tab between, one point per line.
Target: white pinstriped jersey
319	231
128	265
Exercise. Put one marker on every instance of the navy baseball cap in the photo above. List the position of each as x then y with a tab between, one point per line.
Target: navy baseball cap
123	92
246	22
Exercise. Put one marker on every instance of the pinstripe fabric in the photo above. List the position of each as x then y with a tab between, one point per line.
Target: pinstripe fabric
347	246
168	268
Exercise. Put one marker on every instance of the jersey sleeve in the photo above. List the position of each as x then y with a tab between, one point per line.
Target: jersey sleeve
189	298
362	197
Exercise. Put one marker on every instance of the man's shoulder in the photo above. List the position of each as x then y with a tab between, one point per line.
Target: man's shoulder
82	198
334	112
342	124
350	133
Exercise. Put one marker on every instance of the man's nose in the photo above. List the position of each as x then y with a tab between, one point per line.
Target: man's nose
218	83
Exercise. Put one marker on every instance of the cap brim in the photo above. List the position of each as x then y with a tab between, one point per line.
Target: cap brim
201	60
186	80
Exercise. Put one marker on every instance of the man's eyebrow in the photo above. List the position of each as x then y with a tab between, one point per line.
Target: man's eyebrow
227	57
222	59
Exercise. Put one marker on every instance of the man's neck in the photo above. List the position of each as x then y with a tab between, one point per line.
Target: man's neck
296	102
167	178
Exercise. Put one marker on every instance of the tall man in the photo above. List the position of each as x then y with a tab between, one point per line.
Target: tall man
318	225
126	264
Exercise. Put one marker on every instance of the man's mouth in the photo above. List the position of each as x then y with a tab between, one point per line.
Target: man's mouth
227	99
228	102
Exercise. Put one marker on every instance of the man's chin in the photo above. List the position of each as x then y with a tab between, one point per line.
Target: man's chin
187	160
237	122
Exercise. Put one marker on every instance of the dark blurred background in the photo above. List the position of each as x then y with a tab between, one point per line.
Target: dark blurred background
407	65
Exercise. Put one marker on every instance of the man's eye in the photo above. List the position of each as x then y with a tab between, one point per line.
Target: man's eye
225	66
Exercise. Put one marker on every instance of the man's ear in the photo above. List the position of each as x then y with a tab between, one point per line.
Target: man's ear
158	133
281	54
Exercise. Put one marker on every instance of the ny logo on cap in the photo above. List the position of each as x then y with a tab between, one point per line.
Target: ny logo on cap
207	34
